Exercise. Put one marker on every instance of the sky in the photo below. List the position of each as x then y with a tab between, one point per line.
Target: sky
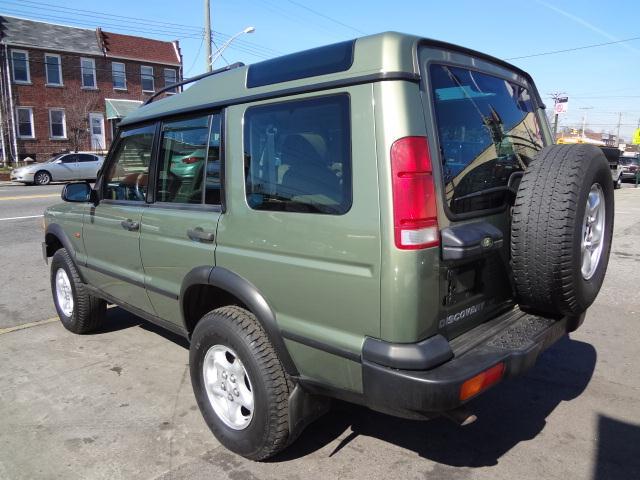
601	82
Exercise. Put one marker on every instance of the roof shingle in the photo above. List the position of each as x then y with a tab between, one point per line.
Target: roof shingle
29	33
138	48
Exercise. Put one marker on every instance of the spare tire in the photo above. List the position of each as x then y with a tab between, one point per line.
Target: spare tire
561	230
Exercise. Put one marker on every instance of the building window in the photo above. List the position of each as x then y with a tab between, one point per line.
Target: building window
57	123
88	71
170	79
20	64
25	122
146	77
53	68
119	76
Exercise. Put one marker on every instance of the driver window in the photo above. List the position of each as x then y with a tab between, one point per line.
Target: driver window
128	173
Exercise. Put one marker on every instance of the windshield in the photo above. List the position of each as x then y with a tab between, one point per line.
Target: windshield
488	130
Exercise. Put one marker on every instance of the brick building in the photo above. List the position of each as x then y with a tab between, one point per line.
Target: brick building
65	88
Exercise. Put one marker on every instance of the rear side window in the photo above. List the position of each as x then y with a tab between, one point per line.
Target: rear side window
85	157
298	156
488	130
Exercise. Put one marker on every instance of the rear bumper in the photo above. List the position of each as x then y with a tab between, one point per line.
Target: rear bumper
516	339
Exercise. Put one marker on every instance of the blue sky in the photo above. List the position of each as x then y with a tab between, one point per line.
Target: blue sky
599	81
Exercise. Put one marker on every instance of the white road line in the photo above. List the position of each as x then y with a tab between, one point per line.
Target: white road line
21	218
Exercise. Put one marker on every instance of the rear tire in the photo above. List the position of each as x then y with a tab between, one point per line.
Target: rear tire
550	230
79	311
255	422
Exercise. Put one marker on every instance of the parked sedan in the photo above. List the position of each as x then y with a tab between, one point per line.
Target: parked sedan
630	167
63	167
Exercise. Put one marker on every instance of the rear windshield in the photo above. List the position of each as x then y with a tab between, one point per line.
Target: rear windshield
488	130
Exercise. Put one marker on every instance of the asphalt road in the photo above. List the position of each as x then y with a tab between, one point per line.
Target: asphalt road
118	404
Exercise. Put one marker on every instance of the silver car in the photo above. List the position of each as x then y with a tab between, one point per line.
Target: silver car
63	167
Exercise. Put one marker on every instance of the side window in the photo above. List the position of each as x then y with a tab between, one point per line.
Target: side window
85	157
182	159
298	156
128	172
69	159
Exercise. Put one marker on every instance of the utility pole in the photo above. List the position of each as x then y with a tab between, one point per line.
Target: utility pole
619	122
584	118
207	35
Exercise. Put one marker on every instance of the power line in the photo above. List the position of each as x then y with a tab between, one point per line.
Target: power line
193	64
327	17
134	24
553	52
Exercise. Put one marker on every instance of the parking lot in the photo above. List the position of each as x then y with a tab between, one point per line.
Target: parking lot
118	404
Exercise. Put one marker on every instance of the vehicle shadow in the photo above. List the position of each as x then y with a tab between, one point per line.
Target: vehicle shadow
512	412
119	319
617	455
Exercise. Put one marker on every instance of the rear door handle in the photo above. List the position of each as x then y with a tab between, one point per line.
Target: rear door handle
130	225
199	235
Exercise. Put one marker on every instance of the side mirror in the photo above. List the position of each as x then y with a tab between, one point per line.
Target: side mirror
78	192
59	161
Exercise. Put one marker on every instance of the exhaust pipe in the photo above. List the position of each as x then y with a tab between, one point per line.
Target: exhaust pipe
460	416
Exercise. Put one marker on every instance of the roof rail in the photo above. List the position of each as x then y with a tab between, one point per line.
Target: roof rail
193	79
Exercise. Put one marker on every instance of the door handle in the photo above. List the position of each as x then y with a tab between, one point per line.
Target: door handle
130	225
199	235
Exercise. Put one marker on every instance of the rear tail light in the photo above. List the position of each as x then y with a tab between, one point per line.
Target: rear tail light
190	160
414	199
481	382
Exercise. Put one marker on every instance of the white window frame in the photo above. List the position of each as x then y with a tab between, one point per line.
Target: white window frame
13	71
143	75
64	124
175	77
33	126
95	80
124	75
46	69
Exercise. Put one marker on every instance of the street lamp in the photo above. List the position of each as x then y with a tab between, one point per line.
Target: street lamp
218	53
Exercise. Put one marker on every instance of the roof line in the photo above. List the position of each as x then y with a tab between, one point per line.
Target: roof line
47	23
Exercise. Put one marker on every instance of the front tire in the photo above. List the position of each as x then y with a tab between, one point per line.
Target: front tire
42	178
239	383
79	311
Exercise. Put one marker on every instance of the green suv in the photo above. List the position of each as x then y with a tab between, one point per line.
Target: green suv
383	221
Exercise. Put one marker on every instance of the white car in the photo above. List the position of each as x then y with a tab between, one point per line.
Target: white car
63	167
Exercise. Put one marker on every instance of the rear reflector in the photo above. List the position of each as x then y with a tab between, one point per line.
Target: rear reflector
481	382
414	200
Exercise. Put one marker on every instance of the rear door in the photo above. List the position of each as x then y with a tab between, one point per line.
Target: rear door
485	126
179	227
87	166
